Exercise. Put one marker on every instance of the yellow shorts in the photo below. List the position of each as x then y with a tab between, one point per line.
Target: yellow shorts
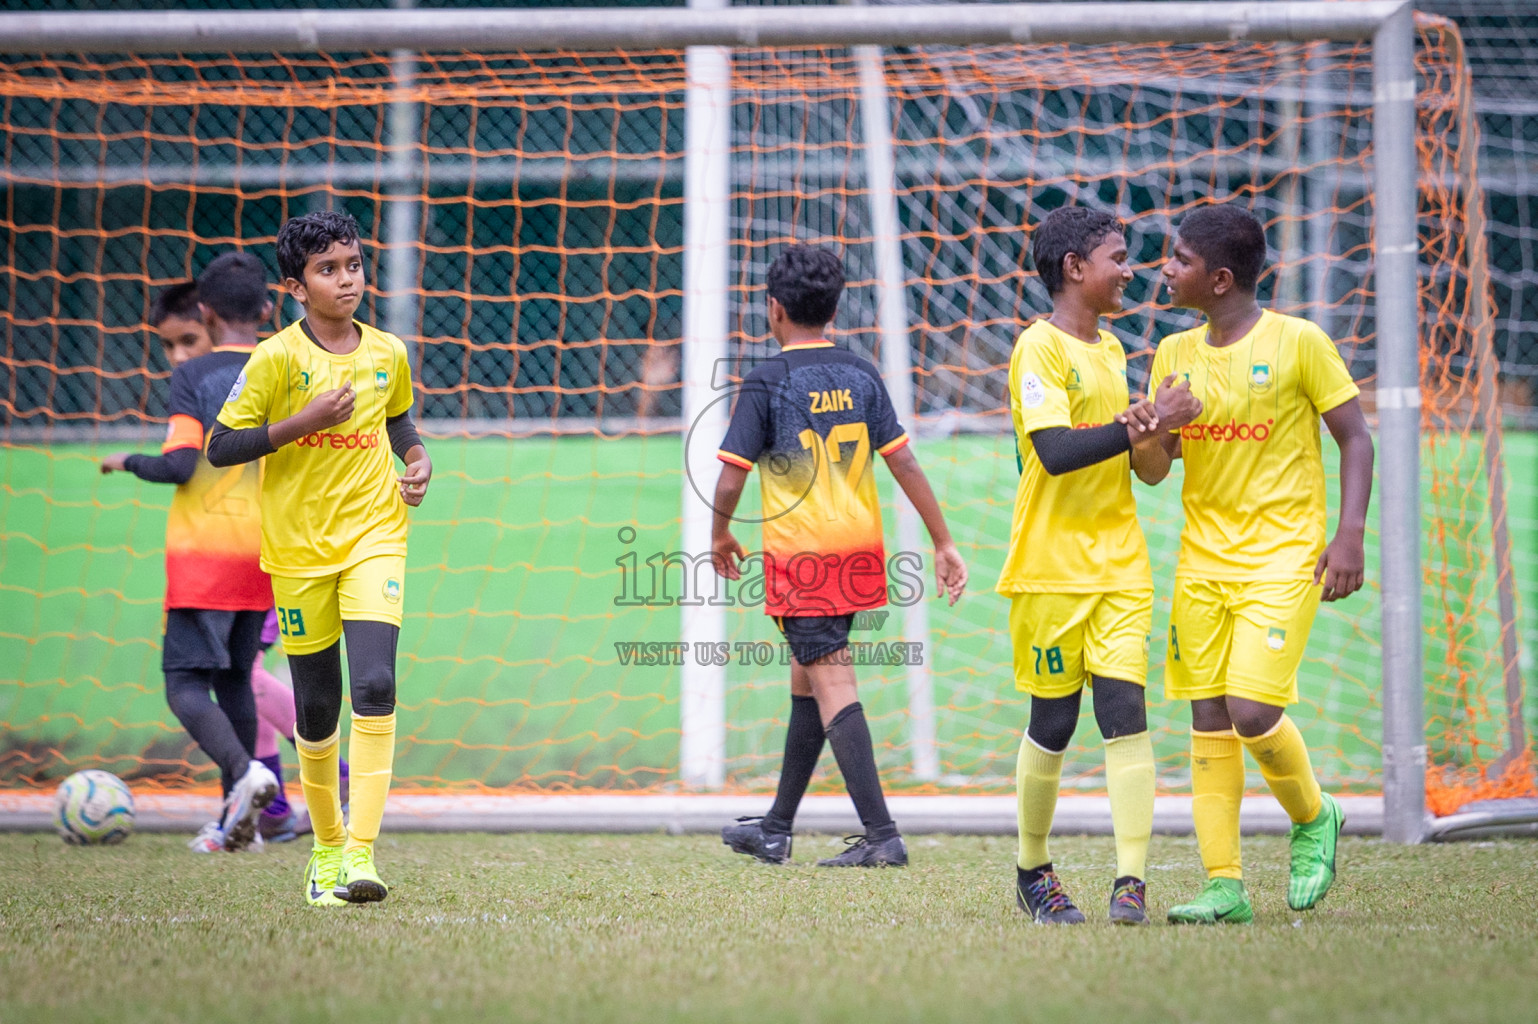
1062	639
1244	639
311	609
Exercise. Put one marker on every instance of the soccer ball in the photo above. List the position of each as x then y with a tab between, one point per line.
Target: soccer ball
93	808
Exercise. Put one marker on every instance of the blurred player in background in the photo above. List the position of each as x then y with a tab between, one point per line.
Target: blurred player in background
217	595
1076	573
810	419
1254	564
183	326
326	400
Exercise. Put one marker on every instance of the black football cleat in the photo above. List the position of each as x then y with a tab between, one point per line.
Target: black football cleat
748	836
1044	898
864	852
1129	901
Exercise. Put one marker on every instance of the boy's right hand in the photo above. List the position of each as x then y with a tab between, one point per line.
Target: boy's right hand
950	572
726	554
1175	404
329	408
115	463
1141	420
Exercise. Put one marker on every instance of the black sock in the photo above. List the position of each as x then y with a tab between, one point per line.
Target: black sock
803	746
232	689
187	692
849	736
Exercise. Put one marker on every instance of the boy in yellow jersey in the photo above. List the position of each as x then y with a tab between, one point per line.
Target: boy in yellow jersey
1077	568
325	401
1254	564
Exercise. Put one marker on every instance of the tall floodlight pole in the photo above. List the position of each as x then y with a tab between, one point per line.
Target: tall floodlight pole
1395	210
707	255
897	370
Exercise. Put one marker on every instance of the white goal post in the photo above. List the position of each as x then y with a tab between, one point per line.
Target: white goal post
1387	23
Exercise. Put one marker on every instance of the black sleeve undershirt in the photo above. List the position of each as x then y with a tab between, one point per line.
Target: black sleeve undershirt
403	434
174	467
230	447
1063	450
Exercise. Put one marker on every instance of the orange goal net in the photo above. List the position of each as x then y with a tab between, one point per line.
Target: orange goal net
524	232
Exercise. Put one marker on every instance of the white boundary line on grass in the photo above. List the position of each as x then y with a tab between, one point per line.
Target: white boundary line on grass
915	815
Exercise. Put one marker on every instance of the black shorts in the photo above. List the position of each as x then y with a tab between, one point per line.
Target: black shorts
197	638
815	636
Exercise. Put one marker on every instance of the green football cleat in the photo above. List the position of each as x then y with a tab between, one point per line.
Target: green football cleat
358	881
1313	855
320	876
1222	901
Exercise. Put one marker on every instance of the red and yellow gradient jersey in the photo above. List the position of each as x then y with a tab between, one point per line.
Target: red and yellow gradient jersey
812	419
1254	474
1076	533
332	498
214	529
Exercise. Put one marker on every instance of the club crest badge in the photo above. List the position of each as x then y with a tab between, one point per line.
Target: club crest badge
1260	377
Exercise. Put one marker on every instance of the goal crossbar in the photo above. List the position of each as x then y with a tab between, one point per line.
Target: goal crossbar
577	29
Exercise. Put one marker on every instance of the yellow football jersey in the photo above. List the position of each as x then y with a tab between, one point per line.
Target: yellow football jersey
1254	472
332	498
1075	533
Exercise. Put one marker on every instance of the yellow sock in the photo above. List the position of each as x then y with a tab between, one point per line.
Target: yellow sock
1217	787
1129	776
1038	774
319	778
372	750
1283	759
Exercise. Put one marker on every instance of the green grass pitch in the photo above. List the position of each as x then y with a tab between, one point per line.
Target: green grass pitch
657	928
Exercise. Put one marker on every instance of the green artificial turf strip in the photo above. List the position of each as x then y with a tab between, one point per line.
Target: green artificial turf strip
508	670
663	928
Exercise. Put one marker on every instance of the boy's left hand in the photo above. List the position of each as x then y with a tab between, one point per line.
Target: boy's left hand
414	481
117	463
726	554
1342	567
950	572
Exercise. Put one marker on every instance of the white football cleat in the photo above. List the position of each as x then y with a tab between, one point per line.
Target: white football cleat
251	795
210	839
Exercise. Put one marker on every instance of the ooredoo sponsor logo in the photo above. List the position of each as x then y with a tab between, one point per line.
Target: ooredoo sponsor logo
330	439
1230	431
